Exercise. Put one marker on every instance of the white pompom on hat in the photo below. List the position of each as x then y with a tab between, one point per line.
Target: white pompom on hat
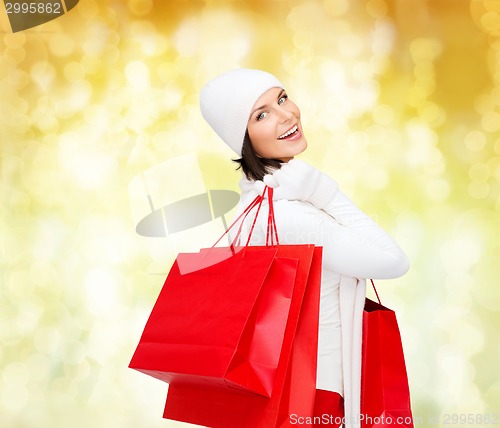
226	102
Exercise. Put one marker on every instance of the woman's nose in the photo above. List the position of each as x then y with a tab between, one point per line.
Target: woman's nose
285	114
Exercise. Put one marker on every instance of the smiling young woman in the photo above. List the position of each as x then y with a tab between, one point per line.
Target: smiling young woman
274	127
251	112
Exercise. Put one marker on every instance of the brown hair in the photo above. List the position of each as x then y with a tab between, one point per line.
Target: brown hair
252	165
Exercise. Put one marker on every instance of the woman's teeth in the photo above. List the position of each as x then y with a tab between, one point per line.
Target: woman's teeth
286	134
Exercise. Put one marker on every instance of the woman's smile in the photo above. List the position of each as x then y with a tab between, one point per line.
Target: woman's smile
292	134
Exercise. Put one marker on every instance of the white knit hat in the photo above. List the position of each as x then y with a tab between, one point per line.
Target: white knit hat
226	102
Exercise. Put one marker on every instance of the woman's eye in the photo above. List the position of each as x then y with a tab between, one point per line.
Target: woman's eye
282	99
261	115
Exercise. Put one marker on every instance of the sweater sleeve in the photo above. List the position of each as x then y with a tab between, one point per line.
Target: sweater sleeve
353	244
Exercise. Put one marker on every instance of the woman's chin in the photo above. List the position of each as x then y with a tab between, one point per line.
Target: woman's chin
293	153
301	147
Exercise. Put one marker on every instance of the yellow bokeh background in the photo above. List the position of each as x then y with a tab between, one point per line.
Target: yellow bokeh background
401	105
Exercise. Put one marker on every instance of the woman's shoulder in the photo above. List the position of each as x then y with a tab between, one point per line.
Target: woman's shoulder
297	212
294	207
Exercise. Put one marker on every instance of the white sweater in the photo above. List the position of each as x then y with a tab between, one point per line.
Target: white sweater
354	248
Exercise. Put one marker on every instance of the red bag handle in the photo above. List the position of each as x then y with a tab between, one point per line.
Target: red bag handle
272	232
374	289
241	217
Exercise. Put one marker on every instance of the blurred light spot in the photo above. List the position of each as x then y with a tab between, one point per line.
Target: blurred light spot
425	49
417	95
434	164
497	146
438	190
74	352
14	397
15	374
140	7
14	40
18	79
421	145
91	170
16	54
20	284
494	167
491	21
91	64
383	37
466	338
376	8
46	240
168	72
419	367
78	371
362	72
29	316
302	17
48	340
475	140
38	366
171	99
484	103
99	36
88	8
491	5
460	254
81	92
479	172
65	389
336	7
137	74
47	124
99	116
74	71
333	76
491	121
486	274
148	39
60	44
478	190
366	96
43	73
187	38
431	113
424	72
376	178
350	45
106	241
495	93
90	167
383	114
458	372
101	291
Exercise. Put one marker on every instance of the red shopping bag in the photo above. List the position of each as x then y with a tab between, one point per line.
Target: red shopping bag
385	395
220	318
202	325
295	383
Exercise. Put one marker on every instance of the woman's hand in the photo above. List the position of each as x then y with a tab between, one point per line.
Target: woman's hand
297	180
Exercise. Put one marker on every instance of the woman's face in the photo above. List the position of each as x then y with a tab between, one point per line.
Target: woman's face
274	126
